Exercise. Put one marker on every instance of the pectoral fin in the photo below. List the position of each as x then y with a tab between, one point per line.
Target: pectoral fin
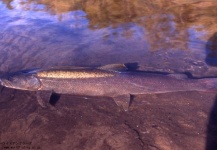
40	100
123	101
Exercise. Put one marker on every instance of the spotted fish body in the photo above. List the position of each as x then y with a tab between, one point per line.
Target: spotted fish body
112	80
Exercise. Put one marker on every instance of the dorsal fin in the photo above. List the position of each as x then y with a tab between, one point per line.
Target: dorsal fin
114	67
178	76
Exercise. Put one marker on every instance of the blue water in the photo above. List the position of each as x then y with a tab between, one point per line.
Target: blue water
169	38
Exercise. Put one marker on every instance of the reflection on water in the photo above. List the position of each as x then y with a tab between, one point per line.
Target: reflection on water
160	35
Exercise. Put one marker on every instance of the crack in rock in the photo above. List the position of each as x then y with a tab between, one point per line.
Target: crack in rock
137	133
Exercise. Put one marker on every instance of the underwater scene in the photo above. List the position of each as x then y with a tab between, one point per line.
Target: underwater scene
176	38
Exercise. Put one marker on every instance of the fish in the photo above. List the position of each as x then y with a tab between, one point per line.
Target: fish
113	80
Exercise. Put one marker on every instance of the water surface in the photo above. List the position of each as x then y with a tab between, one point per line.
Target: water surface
160	35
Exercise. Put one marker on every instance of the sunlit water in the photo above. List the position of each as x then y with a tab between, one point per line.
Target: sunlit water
160	35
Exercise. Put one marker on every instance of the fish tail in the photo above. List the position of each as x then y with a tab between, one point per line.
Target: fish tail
209	84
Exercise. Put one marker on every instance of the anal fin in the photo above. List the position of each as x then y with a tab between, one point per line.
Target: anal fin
123	101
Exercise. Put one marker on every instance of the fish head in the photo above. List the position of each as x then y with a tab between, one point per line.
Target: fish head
23	81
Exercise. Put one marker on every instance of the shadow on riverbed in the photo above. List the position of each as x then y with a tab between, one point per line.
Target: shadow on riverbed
211	50
211	59
54	99
211	140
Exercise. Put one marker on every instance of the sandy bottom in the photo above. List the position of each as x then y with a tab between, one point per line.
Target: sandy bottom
172	121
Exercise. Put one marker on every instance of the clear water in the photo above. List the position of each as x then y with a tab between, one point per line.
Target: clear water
160	35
